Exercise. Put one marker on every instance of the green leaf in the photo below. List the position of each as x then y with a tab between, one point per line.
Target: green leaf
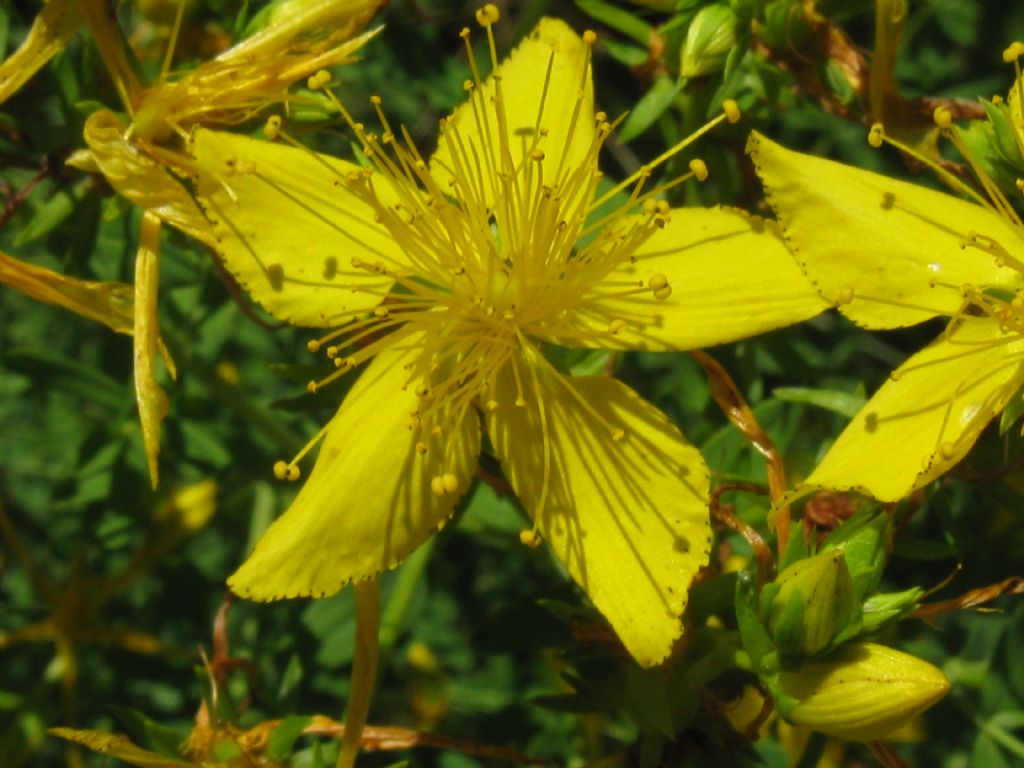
283	738
846	403
53	212
618	19
650	107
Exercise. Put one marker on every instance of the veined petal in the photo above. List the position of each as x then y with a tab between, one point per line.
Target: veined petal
368	502
545	86
925	419
290	231
628	518
896	249
731	276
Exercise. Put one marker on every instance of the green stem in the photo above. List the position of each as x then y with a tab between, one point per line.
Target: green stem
364	669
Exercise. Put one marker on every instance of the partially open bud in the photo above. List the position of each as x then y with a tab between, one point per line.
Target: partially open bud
863	692
710	38
814	603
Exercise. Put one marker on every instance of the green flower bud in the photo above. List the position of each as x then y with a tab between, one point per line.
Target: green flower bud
863	692
814	602
709	40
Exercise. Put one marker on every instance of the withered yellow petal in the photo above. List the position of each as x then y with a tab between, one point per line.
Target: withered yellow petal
731	276
141	179
288	229
150	397
927	416
545	87
108	303
890	253
368	502
120	747
627	517
56	22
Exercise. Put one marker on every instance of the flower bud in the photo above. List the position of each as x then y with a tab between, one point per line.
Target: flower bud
862	692
709	40
813	604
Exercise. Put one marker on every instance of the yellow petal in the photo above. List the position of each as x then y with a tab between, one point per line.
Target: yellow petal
368	502
151	399
288	229
894	248
925	419
731	276
140	179
108	303
52	27
628	518
527	99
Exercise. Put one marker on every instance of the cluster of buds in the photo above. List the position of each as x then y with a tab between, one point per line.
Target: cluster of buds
804	632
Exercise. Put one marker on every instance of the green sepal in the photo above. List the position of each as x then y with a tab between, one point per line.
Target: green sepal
757	643
864	541
881	610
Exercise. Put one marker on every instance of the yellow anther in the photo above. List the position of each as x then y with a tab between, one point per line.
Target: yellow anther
876	135
491	406
699	169
311	387
601	117
1014	51
318	80
896	375
943	117
589	37
657	282
845	295
617	326
467	85
313	346
285	471
732	110
421	447
537	154
381	312
947	451
530	538
659	285
520	402
272	129
618	434
437	486
376	100
488	15
450	482
650	206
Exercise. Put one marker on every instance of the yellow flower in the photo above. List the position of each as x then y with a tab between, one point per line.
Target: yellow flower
893	254
453	276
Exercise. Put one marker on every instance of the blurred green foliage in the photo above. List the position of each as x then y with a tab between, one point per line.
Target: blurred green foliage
483	640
